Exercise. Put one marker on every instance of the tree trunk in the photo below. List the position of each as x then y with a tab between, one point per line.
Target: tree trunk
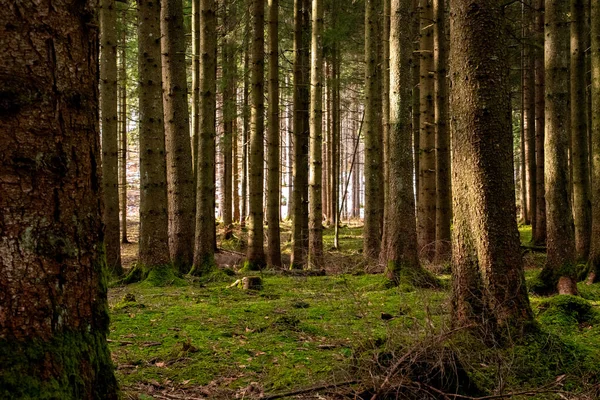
204	244
443	216
54	320
236	170
245	124
335	120
180	178
582	212
256	252
560	241
195	85
426	206
110	133
539	228
488	277
315	241
373	133
401	255
123	113
595	245
154	219
229	113
529	115
416	96
273	154
385	112
301	133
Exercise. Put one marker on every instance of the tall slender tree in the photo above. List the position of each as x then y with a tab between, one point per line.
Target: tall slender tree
273	144
528	100
195	108
426	205
123	128
245	122
204	247
180	178
373	132
54	321
301	134
595	55
559	272
416	93
443	216
488	277
315	244
154	237
110	132
256	251
400	250
582	211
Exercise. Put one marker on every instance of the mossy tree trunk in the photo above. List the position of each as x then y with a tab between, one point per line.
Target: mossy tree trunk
195	100
400	248
373	133
273	144
595	54
229	113
300	124
443	215
416	93
256	251
559	272
488	277
315	240
582	211
180	178
54	318
154	238
110	132
539	228
204	247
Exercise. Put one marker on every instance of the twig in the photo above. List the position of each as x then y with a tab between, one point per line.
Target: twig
308	390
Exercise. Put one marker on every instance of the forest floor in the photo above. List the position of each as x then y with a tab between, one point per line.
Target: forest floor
339	336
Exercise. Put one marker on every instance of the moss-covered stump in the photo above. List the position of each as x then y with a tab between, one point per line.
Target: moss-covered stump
71	366
160	275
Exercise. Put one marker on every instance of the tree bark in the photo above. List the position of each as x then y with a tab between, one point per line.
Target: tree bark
529	115
124	124
443	216
488	277
373	133
110	133
560	237
273	143
595	55
401	255
582	212
539	228
154	238
54	320
180	178
301	133
256	252
426	206
416	93
245	124
195	85
315	240
204	244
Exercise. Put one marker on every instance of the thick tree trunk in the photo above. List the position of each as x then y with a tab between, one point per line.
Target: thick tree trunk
301	133
385	111
595	54
195	85
256	252
400	250
559	272
124	124
443	216
229	113
529	115
426	206
488	278
110	133
315	239
373	133
180	178
204	244
416	94
539	228
54	320
273	143
582	212
154	219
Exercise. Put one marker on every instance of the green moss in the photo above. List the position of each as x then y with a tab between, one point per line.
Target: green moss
566	310
73	365
205	267
163	275
250	266
418	277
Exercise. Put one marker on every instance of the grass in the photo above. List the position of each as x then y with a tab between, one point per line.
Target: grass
215	341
